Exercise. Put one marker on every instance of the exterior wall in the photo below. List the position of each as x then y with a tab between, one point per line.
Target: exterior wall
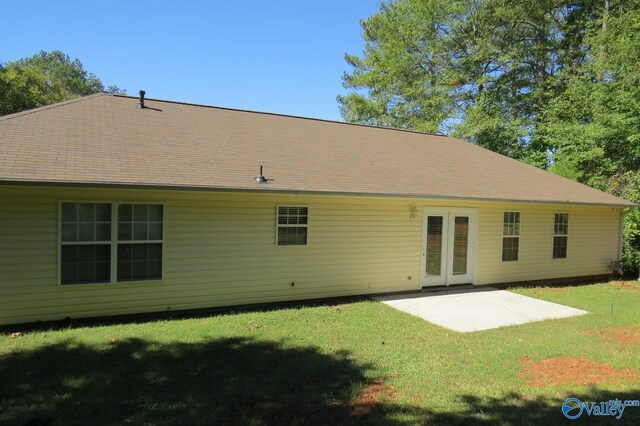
594	239
219	250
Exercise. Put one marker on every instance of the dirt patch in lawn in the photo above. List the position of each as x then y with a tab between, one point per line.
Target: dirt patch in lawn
552	290
623	335
368	398
564	370
627	285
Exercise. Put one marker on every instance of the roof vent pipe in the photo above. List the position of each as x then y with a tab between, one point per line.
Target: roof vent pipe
261	179
141	102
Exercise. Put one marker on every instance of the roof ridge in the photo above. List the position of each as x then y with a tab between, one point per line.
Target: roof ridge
249	111
50	106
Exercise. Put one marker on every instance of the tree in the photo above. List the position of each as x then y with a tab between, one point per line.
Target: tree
21	88
43	79
483	70
594	120
553	83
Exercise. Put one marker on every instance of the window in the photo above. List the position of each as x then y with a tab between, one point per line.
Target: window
560	235
510	236
88	243
291	224
85	243
139	242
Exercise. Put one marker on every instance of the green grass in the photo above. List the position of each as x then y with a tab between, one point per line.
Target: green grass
312	365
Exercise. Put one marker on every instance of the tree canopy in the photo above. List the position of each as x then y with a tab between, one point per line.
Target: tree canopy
553	83
43	79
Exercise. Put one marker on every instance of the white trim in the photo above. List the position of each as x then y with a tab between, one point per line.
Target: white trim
278	226
113	278
446	278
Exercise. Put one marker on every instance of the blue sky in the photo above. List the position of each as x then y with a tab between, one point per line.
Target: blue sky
278	56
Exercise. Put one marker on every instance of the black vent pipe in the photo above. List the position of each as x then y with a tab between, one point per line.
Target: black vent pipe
141	102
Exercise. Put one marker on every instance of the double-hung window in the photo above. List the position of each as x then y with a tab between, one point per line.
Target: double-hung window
139	242
85	243
560	235
510	236
110	242
291	225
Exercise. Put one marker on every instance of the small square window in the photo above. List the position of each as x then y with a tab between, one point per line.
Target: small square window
292	225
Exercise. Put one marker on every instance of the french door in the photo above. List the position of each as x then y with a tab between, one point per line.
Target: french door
448	246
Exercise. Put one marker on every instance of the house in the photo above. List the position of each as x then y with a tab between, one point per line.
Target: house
115	205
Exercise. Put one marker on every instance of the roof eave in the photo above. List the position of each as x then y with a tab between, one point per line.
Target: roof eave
265	189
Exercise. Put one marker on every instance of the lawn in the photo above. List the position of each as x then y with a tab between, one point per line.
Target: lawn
358	362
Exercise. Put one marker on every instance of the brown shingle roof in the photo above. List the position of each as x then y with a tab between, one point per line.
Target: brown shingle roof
104	139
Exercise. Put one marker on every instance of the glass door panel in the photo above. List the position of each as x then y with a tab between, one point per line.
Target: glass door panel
434	245
460	244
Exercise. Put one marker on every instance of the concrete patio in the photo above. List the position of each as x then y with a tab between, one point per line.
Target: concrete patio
477	309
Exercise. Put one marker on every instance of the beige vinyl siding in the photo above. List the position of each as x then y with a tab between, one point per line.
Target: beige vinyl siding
592	243
219	250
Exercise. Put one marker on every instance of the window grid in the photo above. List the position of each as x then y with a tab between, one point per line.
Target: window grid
85	223
292	225
560	235
85	238
91	261
139	250
510	236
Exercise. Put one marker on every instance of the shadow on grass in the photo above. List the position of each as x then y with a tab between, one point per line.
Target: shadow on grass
515	409
226	381
229	381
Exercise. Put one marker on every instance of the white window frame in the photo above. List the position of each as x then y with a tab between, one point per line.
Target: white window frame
553	240
113	279
278	226
514	236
